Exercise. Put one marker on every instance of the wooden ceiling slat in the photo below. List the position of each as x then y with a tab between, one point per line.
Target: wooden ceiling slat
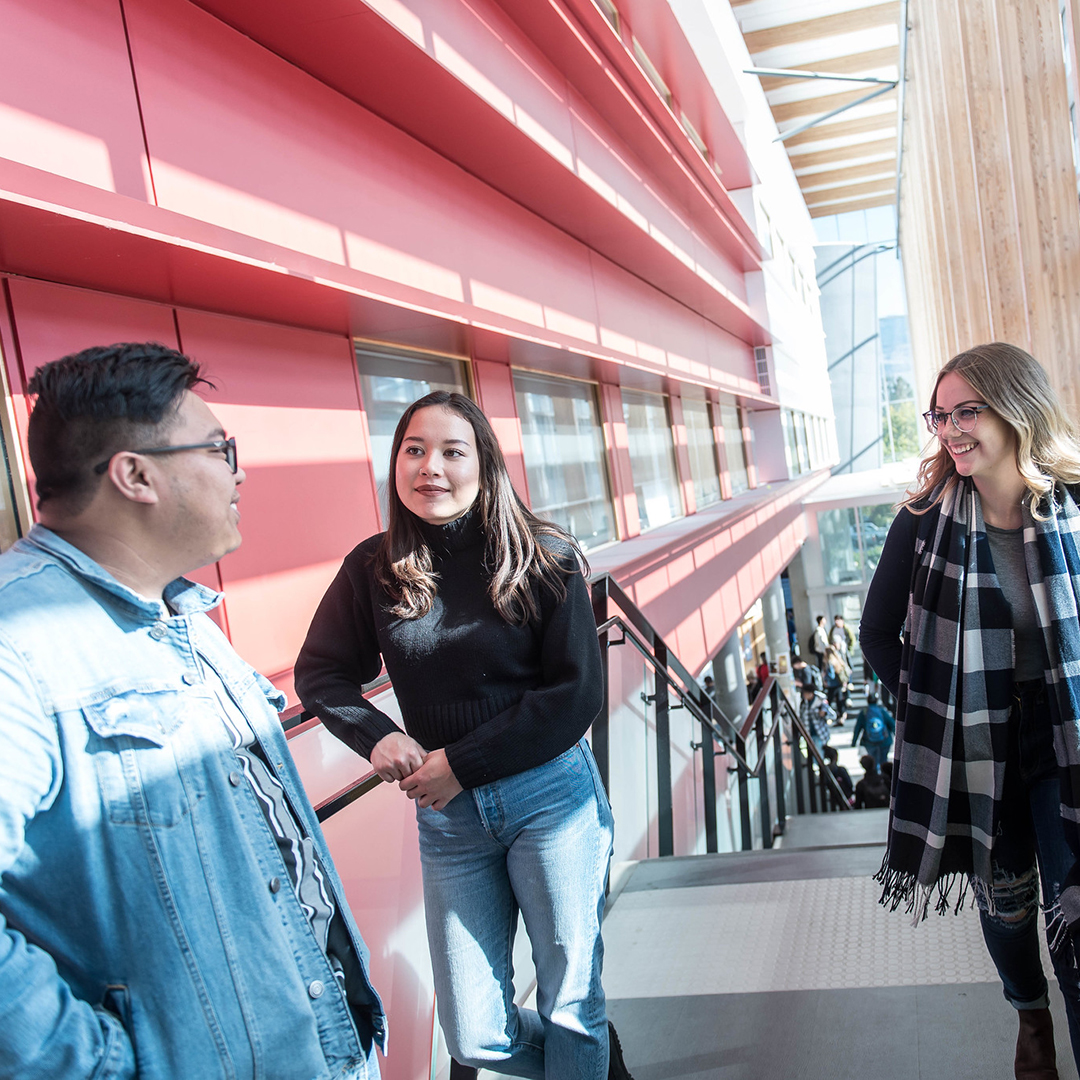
871	187
844	22
852	64
883	122
818	106
842	153
858	204
851	172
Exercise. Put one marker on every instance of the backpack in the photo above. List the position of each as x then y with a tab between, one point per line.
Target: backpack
875	729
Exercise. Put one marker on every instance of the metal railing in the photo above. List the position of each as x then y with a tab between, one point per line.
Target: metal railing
771	723
815	786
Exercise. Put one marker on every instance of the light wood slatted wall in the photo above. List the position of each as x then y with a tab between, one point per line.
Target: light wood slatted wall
989	221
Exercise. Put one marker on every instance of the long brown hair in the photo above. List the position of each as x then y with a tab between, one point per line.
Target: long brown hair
1014	384
522	549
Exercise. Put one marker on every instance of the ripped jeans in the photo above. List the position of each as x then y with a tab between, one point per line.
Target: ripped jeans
1030	828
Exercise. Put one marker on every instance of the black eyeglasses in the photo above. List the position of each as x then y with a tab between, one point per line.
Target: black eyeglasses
964	418
227	445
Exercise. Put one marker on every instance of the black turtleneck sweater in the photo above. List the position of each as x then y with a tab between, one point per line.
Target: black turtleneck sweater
499	698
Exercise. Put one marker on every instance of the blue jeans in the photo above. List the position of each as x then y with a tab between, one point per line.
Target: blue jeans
879	751
1029	831
539	842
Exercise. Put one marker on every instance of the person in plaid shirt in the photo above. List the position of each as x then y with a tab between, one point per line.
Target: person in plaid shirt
815	714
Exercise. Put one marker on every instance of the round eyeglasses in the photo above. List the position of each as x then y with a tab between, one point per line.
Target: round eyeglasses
964	418
226	446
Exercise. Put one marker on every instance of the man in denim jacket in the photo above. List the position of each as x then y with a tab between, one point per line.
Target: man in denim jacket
168	906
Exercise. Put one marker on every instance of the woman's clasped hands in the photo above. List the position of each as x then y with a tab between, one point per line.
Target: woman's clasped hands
425	777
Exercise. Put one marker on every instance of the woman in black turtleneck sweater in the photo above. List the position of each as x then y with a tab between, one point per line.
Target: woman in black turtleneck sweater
482	616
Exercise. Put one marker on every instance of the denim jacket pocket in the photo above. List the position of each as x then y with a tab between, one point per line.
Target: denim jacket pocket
133	738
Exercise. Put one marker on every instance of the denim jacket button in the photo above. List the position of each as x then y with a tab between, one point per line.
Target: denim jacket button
234	779
315	989
275	884
159	631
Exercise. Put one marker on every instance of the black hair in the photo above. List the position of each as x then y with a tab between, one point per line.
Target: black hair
522	549
830	754
871	698
95	403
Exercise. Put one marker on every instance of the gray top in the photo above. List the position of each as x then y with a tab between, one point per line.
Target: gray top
1007	548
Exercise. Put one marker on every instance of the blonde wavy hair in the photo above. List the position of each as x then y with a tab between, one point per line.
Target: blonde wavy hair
1014	384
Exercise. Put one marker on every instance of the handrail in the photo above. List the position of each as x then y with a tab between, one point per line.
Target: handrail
614	591
823	766
674	675
684	697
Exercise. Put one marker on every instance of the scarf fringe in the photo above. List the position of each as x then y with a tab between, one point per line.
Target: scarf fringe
1062	943
900	888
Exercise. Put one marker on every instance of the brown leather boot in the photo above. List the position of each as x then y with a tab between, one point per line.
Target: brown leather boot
1036	1058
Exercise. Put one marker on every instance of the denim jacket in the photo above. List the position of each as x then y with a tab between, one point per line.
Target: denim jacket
143	929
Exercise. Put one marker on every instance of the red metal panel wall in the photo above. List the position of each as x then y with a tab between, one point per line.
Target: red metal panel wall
290	398
67	104
51	321
495	393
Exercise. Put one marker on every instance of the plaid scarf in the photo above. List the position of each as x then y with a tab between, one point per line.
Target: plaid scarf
956	684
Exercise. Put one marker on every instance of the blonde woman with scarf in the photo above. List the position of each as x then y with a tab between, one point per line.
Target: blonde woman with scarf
971	620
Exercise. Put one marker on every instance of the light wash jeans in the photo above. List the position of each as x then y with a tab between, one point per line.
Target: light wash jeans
541	842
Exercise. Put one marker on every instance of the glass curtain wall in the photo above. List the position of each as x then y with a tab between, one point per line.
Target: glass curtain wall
389	383
565	461
652	458
851	541
731	422
701	447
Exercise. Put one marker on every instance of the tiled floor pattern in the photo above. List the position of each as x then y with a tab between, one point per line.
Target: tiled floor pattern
782	935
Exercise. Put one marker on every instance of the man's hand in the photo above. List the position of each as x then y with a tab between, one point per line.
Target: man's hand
433	783
396	756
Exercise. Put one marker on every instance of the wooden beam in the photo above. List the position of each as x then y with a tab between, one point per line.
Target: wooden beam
842	153
852	64
844	22
818	106
858	204
851	172
871	187
879	122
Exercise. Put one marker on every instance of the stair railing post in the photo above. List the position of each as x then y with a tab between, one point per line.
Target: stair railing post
763	781
798	767
601	730
708	778
778	761
665	825
744	797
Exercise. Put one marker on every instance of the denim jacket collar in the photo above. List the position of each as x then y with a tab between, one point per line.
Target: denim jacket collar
182	596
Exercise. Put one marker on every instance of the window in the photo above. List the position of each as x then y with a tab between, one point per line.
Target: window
610	12
650	69
731	422
851	541
565	459
791	455
652	458
389	383
840	546
695	135
10	529
9	516
701	447
800	443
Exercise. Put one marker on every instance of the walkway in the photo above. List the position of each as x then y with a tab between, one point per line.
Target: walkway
770	965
